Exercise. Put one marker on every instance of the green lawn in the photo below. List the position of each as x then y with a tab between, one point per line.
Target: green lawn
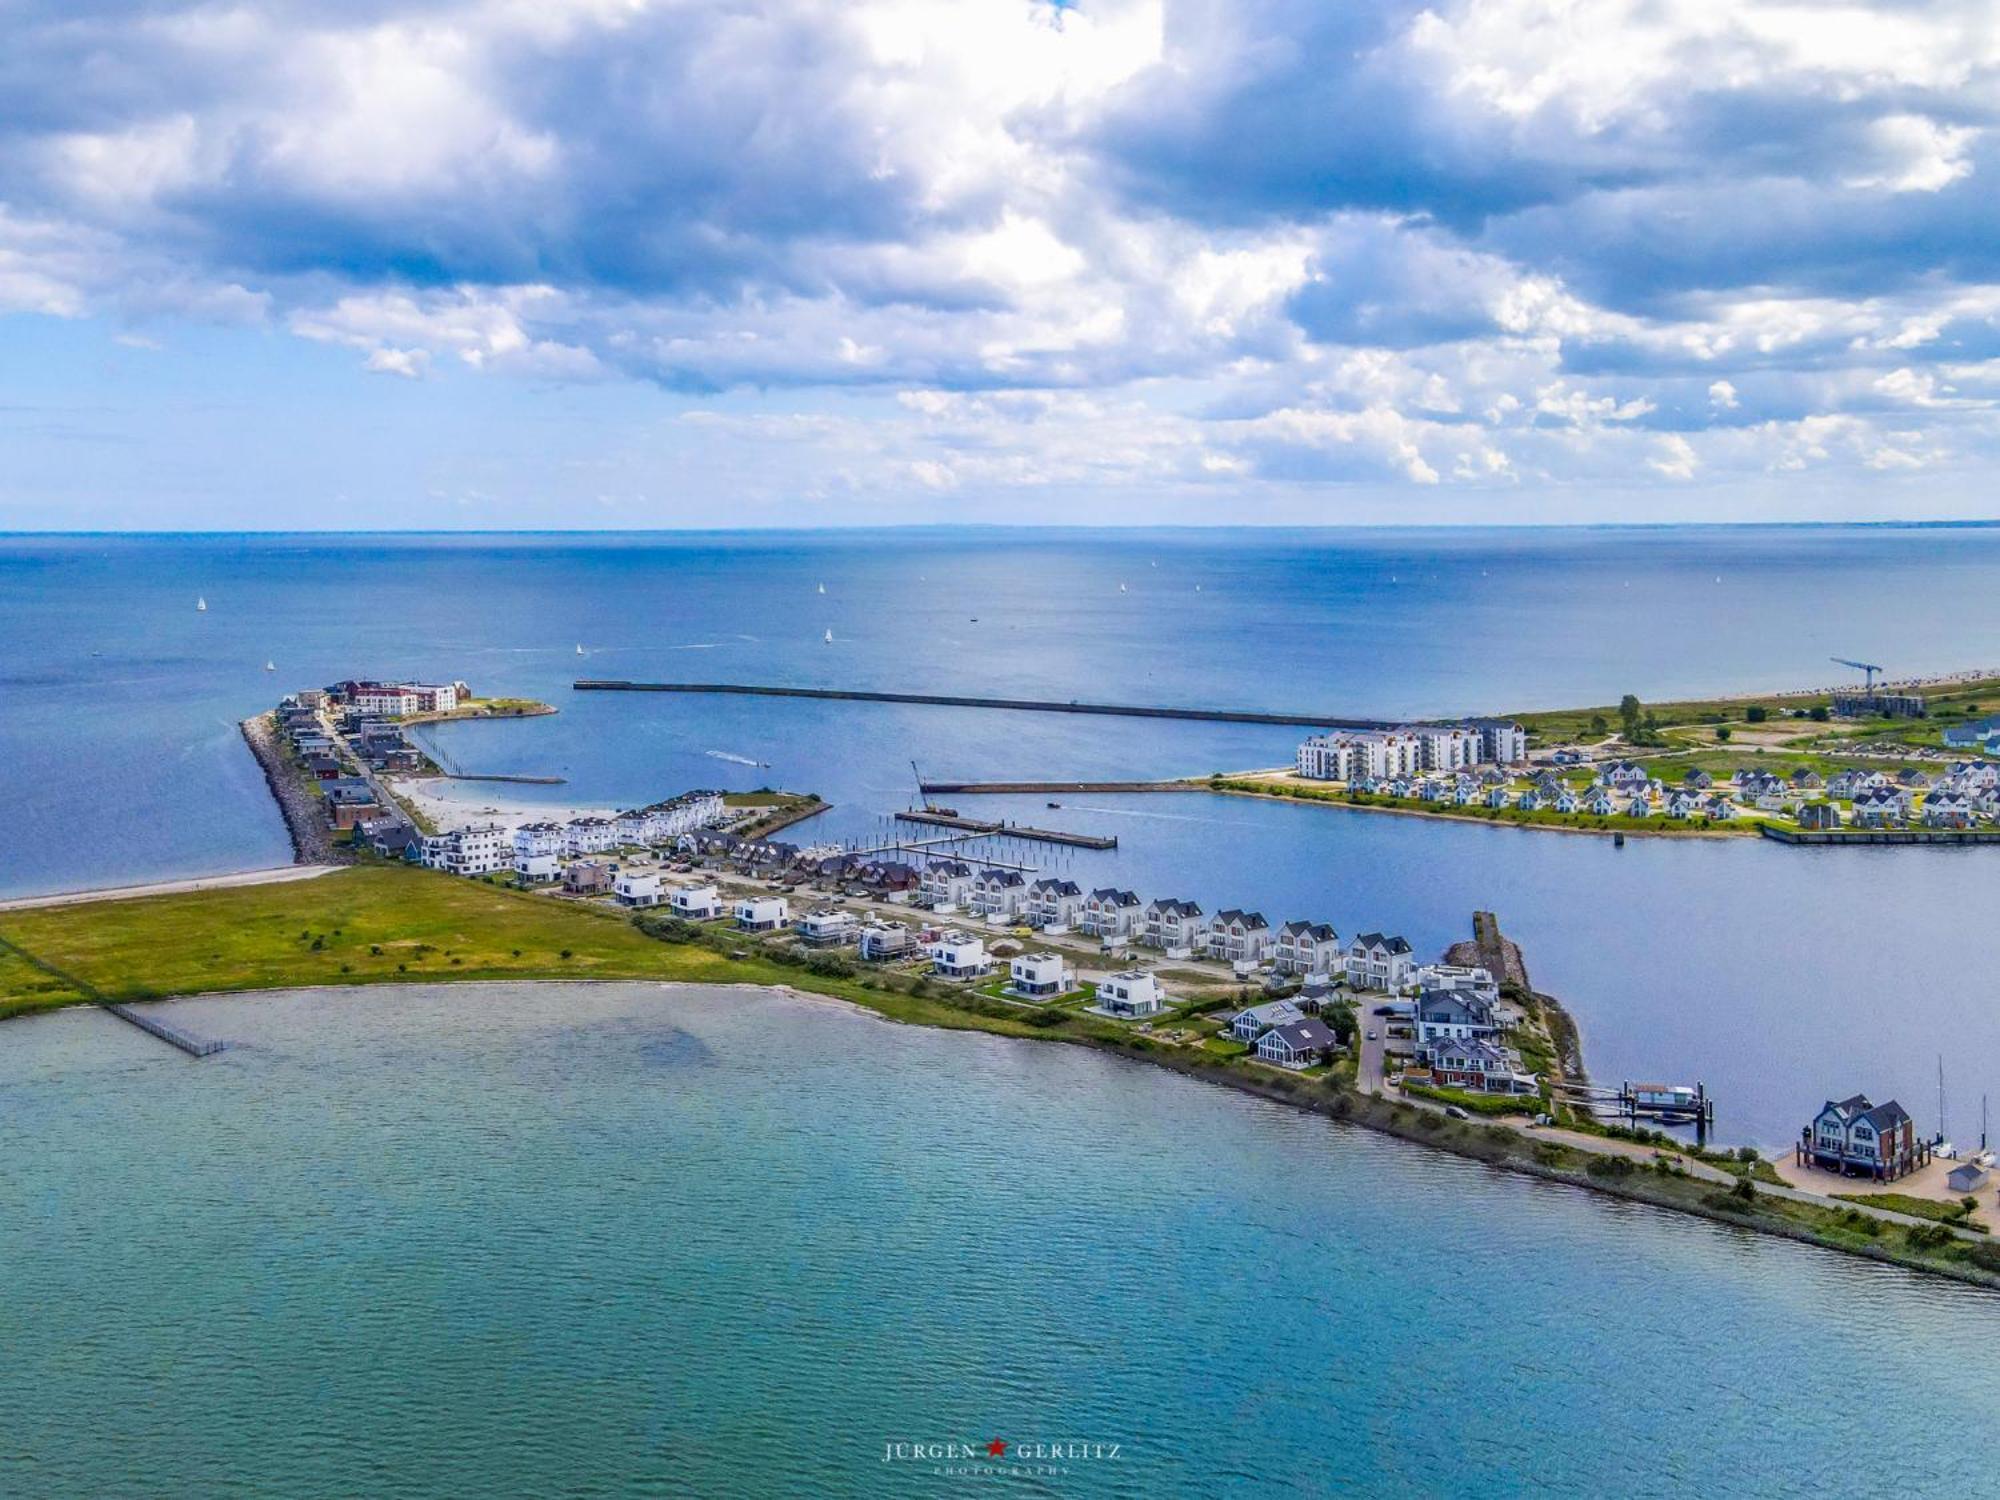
1916	1208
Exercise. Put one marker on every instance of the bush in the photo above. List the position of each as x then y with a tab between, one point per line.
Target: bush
1756	713
1928	1236
1610	1166
567	954
1984	1256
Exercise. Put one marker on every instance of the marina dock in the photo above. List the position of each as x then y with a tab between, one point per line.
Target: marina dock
1019	705
173	1036
940	818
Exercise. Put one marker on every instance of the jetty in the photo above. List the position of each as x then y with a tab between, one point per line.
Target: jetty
173	1036
1017	705
940	818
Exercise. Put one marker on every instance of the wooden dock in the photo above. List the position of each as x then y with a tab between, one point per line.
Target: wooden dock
173	1036
1823	837
1009	830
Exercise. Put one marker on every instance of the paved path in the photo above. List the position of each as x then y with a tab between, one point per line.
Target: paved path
276	876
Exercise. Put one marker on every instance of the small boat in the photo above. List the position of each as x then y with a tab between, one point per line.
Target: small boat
1197	588
270	666
579	649
1121	588
1055	804
829	637
822	588
200	605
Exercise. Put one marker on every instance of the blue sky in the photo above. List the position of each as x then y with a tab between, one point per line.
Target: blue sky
628	263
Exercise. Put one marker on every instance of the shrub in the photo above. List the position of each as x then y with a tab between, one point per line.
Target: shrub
1928	1236
1610	1166
1756	713
567	954
375	950
1984	1256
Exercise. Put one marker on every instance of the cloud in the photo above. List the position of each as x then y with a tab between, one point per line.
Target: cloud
1201	243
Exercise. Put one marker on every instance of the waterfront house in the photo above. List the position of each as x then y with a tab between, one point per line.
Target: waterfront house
477	850
1947	809
1718	809
589	836
885	942
1248	1025
536	869
324	767
1053	904
1379	962
1307	948
1239	937
695	903
1598	802
1482	1065
637	888
1880	807
535	839
349	801
1130	993
1680	806
827	927
947	884
1565	801
1530	799
1496	796
1819	815
1452	1015
1175	927
1806	779
1001	894
587	877
1297	1044
1464	978
957	955
761	913
1639	807
1112	914
1856	1138
1501	741
1037	976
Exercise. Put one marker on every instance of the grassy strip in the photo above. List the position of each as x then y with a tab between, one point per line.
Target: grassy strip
1540	817
1477	1104
389	924
1917	1208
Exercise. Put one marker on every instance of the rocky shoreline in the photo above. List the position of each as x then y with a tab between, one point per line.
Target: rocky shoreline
312	840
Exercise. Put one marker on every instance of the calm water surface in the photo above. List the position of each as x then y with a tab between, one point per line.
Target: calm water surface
1775	976
611	1240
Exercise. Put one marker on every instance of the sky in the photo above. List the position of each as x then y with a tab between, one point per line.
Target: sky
635	263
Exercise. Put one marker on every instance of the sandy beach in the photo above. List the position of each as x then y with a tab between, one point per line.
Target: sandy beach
457	804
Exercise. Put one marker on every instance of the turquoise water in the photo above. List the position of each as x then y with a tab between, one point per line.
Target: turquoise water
520	1240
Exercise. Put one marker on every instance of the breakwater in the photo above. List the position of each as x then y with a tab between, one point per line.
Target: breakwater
1019	705
996	788
301	807
1847	836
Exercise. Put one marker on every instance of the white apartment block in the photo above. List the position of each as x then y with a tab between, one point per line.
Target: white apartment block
478	850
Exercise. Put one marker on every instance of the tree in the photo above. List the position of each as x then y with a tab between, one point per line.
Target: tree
1819	715
1599	726
1628	714
1756	713
1722	733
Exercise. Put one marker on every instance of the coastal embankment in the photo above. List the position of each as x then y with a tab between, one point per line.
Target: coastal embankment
300	805
384	924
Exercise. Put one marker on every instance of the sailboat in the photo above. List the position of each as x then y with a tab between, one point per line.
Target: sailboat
1121	588
200	605
270	666
829	637
822	588
579	649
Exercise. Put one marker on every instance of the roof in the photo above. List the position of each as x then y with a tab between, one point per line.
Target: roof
1320	931
1306	1036
1115	896
1377	940
1174	906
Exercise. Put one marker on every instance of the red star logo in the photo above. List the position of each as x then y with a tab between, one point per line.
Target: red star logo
997	1448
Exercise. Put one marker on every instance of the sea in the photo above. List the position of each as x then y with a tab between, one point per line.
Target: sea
1774	976
634	1240
524	1240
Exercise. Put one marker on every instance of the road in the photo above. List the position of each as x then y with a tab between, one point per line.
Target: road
276	876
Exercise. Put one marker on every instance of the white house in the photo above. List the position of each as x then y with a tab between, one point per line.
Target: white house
1297	1044
477	850
1452	1015
1482	1064
1377	962
1173	926
1038	975
957	955
883	942
1307	948
589	836
1239	937
637	888
761	913
536	869
1001	894
1502	741
947	884
1053	904
1130	992
538	838
696	903
1457	977
828	927
1114	915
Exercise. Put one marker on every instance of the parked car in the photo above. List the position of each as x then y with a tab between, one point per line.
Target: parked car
1456	1113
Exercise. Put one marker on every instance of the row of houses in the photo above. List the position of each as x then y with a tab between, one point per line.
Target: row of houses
538	849
1411	750
349	800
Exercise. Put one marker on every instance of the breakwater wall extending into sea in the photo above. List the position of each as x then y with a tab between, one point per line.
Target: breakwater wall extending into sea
1020	705
303	811
1849	836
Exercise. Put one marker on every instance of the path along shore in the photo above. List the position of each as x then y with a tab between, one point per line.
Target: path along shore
277	875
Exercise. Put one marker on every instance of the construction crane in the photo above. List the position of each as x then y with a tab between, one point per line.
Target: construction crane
1860	666
923	796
